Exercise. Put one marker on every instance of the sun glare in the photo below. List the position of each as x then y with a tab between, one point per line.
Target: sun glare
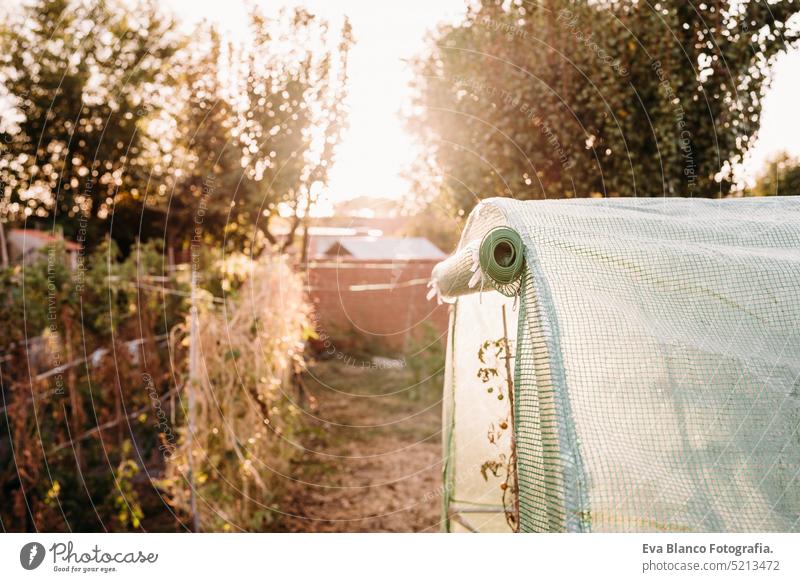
379	78
378	85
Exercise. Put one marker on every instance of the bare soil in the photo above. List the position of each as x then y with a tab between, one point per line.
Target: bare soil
373	459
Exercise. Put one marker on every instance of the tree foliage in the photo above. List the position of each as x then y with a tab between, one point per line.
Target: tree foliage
573	99
121	125
295	112
780	177
80	75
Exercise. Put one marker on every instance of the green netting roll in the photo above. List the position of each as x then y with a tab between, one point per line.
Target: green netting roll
502	256
502	259
496	262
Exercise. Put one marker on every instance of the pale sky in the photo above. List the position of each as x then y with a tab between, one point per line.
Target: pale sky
780	121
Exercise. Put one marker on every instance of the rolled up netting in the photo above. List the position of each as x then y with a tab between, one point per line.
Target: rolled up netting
496	262
502	259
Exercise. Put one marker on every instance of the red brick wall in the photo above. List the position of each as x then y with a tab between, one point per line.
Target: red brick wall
384	317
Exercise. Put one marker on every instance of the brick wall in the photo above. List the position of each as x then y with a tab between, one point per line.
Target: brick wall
381	303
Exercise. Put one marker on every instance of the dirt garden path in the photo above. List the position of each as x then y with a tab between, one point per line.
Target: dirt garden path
374	460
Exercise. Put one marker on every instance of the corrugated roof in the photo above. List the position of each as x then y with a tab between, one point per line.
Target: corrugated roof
384	248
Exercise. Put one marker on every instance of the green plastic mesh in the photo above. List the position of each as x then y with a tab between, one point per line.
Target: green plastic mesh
656	370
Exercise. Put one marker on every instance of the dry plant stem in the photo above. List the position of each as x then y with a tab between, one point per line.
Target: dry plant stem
513	458
244	410
74	396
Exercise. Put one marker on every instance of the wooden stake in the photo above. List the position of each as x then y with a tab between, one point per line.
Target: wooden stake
194	355
510	380
3	247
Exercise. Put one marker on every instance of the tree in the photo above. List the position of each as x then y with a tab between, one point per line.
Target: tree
207	173
81	76
256	126
572	99
780	177
295	83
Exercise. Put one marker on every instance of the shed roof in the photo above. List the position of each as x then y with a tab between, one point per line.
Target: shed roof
30	239
384	248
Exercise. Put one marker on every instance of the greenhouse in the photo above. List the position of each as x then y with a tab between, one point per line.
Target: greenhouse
624	365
